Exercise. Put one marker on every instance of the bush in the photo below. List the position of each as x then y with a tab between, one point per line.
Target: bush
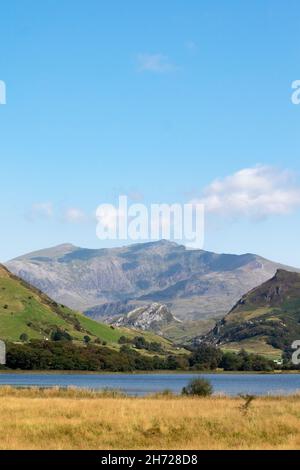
123	340
60	335
200	387
24	337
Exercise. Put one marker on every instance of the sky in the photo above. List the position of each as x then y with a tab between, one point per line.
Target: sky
166	102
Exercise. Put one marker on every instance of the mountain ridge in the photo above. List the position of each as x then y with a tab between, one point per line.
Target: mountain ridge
194	284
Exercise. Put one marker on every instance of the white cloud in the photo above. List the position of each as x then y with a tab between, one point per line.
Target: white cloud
157	63
74	215
256	193
41	210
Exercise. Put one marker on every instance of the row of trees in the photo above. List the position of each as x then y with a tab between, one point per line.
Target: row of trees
62	335
65	355
139	342
207	357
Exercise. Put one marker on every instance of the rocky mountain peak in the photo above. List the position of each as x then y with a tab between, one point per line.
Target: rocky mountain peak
150	317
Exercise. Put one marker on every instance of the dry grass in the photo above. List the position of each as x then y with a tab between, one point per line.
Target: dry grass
75	419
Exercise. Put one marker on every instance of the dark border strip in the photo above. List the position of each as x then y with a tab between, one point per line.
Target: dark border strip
135	459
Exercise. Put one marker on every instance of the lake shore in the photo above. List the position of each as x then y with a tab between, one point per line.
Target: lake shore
141	372
82	419
227	384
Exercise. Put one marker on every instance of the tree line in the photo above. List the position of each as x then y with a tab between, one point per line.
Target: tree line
66	355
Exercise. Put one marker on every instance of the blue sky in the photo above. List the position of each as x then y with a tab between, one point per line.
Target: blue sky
158	99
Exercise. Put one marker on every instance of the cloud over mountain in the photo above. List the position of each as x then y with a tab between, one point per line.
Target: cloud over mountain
255	193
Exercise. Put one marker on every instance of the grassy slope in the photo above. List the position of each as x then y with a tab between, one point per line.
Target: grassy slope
272	311
24	309
257	346
54	419
185	332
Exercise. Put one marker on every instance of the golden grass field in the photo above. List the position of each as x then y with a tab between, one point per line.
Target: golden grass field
74	419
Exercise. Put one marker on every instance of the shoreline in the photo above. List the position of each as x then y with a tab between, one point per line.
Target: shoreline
147	372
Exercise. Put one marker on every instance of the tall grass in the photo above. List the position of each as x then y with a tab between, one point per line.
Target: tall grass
82	419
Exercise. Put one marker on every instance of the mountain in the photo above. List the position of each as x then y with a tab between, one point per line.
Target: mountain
194	284
267	319
24	310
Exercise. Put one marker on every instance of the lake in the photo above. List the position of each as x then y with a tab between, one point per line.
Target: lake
143	384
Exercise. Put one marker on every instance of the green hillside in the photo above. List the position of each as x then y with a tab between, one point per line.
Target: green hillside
26	310
266	320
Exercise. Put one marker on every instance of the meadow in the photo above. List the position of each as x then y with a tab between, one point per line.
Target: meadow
82	419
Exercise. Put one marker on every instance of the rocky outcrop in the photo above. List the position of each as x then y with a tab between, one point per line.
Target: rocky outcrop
152	317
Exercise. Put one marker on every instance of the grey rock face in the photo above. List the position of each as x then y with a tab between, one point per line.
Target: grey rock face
151	317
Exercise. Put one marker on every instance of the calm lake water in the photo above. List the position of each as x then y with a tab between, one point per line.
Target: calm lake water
142	384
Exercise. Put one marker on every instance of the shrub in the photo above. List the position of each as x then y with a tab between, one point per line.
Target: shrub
24	337
123	340
60	335
200	387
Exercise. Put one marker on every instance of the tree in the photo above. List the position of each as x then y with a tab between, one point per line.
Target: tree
200	387
205	357
86	339
60	335
140	342
24	337
123	340
231	361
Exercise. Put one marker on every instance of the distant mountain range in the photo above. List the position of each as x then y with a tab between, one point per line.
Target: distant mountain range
193	284
265	320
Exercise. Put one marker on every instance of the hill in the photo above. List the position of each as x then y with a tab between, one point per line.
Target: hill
194	284
24	310
266	320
